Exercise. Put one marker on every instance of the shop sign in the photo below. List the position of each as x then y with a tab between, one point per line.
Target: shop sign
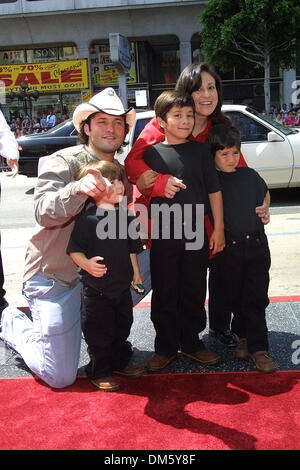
86	95
119	51
68	75
46	54
105	72
12	57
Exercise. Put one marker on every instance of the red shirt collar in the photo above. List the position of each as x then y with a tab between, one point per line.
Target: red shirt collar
201	137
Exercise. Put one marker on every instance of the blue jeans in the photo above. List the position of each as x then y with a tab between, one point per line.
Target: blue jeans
50	343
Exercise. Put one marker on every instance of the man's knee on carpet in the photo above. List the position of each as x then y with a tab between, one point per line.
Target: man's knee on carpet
60	380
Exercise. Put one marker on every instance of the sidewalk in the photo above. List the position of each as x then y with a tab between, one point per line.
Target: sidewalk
284	327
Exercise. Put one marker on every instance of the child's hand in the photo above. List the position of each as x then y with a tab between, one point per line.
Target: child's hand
217	241
266	218
94	268
173	186
137	284
137	279
146	181
263	213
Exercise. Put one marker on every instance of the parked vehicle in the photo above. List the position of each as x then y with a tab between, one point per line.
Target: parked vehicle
270	148
34	146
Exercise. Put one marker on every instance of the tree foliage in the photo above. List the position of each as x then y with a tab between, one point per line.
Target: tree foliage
261	32
250	29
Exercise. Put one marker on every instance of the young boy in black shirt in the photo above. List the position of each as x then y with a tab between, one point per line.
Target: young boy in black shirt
245	262
106	310
178	259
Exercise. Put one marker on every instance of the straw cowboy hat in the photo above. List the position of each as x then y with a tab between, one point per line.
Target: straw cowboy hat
107	101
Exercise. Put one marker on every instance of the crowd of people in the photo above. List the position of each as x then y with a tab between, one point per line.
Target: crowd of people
40	123
287	116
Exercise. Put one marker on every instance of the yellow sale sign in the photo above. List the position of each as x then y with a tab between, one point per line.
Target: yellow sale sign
68	75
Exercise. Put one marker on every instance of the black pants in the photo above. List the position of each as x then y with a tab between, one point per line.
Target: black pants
178	296
2	291
106	326
244	269
219	318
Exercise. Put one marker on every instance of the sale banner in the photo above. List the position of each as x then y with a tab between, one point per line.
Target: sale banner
68	75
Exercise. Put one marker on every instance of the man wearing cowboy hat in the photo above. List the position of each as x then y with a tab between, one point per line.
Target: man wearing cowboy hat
50	342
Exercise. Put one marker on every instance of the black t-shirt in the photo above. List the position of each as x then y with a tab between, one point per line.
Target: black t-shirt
243	190
193	163
112	235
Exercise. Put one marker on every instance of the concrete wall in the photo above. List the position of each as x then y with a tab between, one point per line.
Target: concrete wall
20	31
26	7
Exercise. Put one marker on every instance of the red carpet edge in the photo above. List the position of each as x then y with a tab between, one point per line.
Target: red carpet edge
288	298
275	299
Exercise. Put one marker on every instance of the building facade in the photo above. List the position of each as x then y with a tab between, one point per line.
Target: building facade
55	54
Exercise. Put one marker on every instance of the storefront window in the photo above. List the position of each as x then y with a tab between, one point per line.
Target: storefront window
45	54
62	105
165	63
11	110
197	55
68	52
12	57
45	103
105	73
248	70
49	86
143	67
70	102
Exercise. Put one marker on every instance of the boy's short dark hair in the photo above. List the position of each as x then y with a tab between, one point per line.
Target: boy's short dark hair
223	136
170	98
108	170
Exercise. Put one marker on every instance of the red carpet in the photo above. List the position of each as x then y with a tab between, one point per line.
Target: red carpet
241	411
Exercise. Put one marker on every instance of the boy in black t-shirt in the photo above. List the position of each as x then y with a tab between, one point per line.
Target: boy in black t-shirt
178	258
106	310
245	262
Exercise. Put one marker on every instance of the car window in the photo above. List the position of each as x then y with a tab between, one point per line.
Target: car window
139	126
64	128
74	132
250	130
284	129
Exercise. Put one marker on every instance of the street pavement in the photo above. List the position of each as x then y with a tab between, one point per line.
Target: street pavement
283	312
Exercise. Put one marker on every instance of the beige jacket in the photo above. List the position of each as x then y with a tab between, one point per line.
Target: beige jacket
57	203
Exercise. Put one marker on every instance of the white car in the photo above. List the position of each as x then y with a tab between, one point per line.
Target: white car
270	148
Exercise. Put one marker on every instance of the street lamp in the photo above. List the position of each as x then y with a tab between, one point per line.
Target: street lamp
23	95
